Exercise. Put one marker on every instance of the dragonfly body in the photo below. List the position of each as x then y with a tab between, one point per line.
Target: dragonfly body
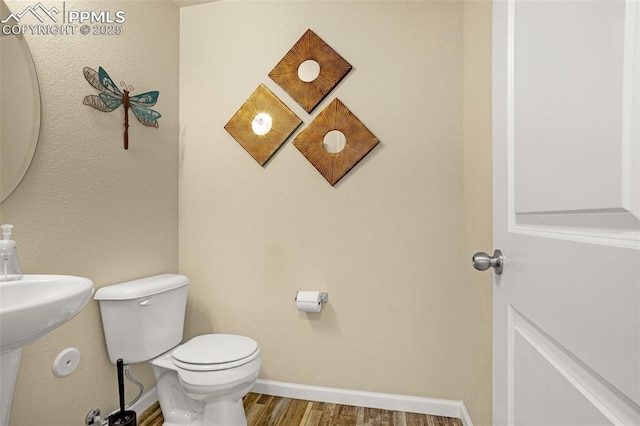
126	103
110	98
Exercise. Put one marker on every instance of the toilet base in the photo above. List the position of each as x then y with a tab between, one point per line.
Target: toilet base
225	412
218	403
182	409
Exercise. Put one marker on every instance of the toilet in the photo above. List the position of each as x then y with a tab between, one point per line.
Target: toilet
200	382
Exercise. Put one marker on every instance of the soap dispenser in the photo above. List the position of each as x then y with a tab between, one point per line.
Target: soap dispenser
9	266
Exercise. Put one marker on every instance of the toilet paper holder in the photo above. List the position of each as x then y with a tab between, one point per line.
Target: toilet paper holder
323	297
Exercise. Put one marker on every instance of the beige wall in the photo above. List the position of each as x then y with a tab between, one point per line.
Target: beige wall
389	242
477	196
88	207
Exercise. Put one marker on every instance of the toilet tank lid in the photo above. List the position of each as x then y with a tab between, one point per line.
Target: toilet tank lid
142	287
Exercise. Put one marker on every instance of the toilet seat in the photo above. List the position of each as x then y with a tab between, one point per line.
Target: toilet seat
211	352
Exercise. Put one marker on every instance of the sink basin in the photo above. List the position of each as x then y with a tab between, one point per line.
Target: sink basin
29	309
37	304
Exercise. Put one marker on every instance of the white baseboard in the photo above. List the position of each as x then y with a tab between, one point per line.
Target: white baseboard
385	401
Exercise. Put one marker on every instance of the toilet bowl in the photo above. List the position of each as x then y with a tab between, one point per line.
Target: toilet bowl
204	380
200	382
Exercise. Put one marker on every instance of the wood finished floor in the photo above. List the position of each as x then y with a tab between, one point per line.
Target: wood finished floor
263	410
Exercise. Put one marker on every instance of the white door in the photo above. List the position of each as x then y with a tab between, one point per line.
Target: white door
566	123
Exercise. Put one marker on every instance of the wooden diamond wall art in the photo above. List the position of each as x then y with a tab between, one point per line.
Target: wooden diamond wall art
308	92
334	165
262	124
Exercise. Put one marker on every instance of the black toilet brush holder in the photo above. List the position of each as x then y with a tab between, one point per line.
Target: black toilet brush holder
122	418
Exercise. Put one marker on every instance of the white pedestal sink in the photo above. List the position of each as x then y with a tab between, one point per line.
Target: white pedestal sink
29	309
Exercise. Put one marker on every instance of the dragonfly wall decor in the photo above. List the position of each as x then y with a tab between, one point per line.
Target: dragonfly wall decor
110	98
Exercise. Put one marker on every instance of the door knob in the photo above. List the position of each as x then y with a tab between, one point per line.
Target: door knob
482	261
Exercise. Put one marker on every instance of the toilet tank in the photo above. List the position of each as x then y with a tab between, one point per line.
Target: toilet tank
143	318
